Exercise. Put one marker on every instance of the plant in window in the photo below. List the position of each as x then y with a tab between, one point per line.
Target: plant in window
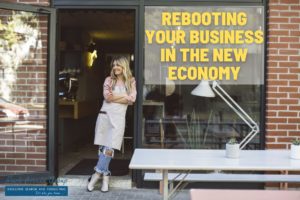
192	134
232	148
295	149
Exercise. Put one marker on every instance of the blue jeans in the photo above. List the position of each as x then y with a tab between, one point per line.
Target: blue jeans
104	159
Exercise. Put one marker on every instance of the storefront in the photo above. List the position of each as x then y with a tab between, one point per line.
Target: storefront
172	47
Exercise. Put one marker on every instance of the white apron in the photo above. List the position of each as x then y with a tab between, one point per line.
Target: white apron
110	127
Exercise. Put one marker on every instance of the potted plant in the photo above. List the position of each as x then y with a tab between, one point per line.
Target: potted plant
232	148
295	149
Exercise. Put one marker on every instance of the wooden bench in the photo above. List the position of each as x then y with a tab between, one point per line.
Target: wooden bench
184	178
199	194
220	177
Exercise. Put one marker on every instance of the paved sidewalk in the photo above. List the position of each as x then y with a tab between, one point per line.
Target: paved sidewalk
80	193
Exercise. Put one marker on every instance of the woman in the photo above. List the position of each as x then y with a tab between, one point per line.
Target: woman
119	91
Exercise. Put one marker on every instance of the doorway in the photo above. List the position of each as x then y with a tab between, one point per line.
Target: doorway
88	39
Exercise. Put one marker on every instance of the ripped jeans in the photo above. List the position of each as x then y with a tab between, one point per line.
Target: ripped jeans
105	154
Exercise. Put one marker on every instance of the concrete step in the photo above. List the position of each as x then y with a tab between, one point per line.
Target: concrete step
122	182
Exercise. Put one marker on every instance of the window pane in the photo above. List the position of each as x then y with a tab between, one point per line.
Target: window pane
23	92
172	116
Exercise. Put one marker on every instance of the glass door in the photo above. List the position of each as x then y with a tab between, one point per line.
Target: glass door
27	93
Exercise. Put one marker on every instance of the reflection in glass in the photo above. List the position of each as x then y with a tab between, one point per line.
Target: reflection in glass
23	91
172	116
190	121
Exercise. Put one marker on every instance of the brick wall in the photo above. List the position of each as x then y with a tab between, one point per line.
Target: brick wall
23	143
283	73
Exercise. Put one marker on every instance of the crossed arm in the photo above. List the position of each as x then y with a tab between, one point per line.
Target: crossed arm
123	99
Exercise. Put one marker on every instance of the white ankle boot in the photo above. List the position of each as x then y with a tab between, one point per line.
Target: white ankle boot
105	183
94	179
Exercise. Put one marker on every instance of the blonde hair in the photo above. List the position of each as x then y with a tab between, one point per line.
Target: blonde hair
127	75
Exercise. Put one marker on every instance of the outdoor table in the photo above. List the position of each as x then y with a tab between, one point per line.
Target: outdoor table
187	159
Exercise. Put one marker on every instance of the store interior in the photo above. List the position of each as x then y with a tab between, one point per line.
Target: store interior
87	40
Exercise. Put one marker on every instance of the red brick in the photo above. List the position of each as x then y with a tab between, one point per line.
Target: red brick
277	70
7	161
287	126
36	169
271	101
295	83
36	143
40	162
294	133
41	137
272	77
42	75
41	149
15	168
25	149
295	33
278	83
271	113
289	51
271	88
21	136
289	39
288	76
272	64
273	13
15	155
285	139
294	58
273	26
277	120
273	51
295	7
6	149
294	70
289	14
273	39
278	45
15	142
276	107
297	108
289	26
25	162
288	89
276	146
268	139
37	81
36	156
287	114
6	136
294	95
289	2
276	133
288	101
278	7
276	95
270	126
295	45
295	20
294	120
278	32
